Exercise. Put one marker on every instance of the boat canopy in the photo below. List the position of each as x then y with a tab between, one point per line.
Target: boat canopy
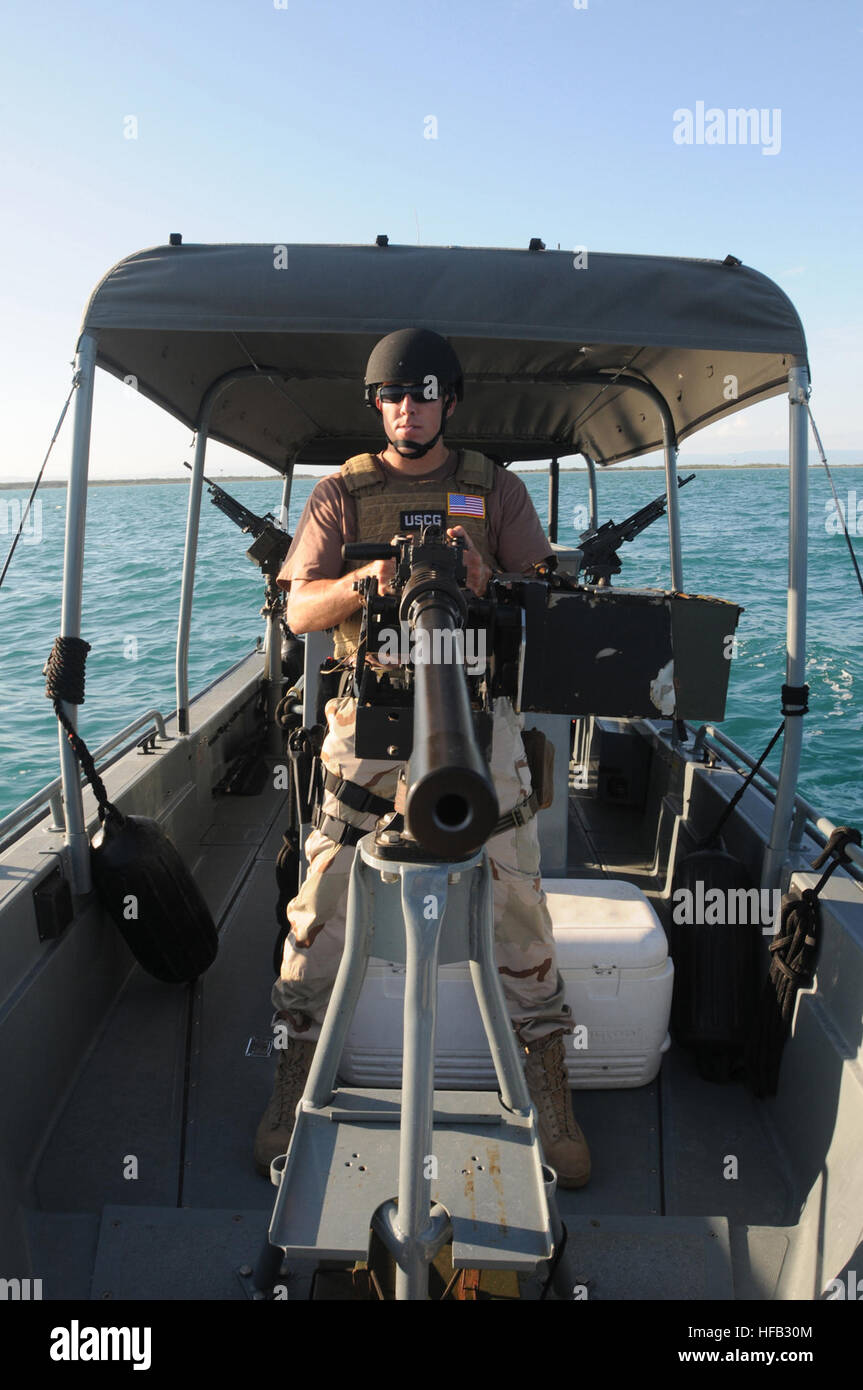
547	340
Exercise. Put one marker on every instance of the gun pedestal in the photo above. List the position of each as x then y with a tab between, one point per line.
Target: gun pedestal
421	1167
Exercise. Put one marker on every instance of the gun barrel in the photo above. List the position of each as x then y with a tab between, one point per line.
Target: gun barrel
451	807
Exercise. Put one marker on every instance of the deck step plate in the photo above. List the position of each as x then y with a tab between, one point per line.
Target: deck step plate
343	1165
655	1258
171	1253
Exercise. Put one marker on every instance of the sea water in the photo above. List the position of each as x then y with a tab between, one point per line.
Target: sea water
735	544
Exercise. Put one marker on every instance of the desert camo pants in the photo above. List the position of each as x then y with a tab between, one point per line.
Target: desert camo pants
524	944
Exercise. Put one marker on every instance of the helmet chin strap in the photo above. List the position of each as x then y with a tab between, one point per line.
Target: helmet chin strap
418	451
414	451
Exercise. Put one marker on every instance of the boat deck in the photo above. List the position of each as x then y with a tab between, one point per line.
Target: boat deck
146	1188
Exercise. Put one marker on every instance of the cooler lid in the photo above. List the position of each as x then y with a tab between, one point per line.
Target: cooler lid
605	922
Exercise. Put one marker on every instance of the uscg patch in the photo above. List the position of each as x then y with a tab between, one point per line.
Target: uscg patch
414	521
461	504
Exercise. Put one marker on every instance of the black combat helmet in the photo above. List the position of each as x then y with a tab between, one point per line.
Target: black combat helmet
411	355
416	356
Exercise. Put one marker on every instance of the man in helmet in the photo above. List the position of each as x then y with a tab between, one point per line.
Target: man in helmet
414	379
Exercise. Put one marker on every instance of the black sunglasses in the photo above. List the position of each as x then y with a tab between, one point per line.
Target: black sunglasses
394	392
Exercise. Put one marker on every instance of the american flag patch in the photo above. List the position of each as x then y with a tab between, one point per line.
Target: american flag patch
459	504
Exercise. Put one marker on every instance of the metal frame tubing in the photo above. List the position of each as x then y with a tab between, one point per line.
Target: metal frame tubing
795	666
553	492
669	442
359	932
192	521
273	653
591	483
190	553
414	1230
674	547
273	663
77	841
422	942
489	994
413	1233
285	504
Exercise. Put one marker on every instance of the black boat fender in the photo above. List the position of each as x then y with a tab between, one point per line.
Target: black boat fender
152	898
139	874
715	955
715	963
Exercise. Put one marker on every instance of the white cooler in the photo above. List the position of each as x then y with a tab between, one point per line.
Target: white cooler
613	955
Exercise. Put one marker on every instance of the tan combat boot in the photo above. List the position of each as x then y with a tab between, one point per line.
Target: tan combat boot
564	1146
277	1125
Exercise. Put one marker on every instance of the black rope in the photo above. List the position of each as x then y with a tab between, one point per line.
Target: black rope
792	695
834	849
75	382
794	955
64	672
714	835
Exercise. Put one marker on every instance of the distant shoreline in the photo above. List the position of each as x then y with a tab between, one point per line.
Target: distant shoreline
271	477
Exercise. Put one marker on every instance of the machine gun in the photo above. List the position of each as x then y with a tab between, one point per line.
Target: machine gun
451	806
424	898
270	544
268	550
599	547
553	646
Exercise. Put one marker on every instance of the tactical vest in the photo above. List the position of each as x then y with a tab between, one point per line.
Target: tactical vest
389	506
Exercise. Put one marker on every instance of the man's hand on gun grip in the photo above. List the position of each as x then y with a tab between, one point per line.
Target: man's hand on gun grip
384	571
478	572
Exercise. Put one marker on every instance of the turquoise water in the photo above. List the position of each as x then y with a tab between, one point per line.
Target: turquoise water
735	525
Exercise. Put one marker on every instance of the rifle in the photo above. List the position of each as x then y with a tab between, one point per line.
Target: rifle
599	547
270	544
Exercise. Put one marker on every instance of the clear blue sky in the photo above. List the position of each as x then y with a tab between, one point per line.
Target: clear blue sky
306	123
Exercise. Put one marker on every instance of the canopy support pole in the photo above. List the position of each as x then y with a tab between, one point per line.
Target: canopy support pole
192	522
77	840
776	853
553	494
193	517
669	443
285	505
592	522
674	548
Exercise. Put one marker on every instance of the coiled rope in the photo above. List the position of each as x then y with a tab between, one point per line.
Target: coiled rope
64	673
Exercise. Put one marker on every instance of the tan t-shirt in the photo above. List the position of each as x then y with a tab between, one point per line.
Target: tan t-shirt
329	521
